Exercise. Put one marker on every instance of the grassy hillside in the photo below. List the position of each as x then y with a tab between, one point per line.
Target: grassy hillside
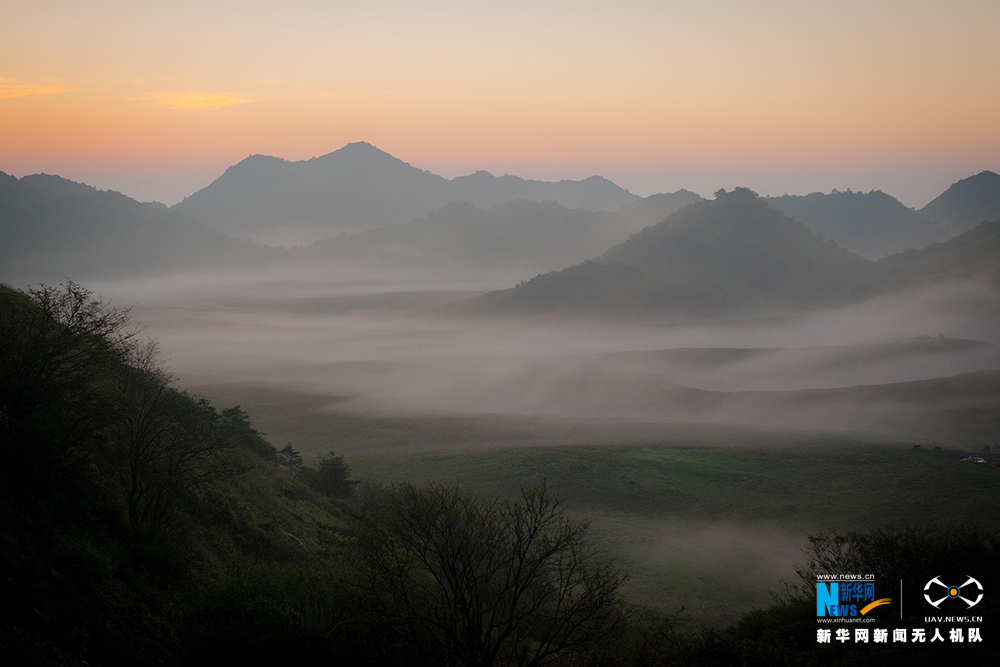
715	528
139	525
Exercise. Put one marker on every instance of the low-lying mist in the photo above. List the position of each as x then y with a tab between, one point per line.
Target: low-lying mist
382	345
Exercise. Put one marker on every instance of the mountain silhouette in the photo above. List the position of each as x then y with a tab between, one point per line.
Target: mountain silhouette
642	213
972	254
53	228
734	255
531	236
966	203
519	234
360	187
871	224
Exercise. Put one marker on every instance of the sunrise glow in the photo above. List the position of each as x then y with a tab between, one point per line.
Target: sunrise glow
558	90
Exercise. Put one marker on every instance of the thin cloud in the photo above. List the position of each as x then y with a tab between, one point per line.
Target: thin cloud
191	99
10	89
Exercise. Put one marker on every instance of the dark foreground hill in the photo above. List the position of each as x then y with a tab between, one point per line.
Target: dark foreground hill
736	256
871	224
52	227
967	203
360	187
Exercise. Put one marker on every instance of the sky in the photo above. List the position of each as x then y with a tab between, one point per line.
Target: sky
156	99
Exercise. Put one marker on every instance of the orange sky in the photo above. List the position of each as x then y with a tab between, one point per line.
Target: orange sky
157	99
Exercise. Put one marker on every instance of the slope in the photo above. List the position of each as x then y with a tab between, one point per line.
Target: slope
966	203
360	187
53	227
871	224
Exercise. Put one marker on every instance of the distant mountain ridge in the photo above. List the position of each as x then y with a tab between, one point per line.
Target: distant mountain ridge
519	234
969	255
732	257
966	203
871	224
532	236
360	187
52	228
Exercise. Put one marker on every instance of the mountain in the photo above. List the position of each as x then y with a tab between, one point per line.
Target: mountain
594	193
52	227
966	203
521	235
642	213
731	256
871	224
532	236
970	255
360	187
736	256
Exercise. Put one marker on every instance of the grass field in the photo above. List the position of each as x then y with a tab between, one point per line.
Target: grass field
715	529
709	517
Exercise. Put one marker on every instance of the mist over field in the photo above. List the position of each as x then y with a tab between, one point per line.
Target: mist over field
451	334
380	347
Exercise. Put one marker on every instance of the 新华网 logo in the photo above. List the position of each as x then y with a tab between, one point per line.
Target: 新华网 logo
841	599
937	592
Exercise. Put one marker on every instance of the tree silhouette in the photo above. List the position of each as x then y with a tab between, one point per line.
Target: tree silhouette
469	581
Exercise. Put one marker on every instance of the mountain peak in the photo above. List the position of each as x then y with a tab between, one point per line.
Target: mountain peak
359	186
967	202
357	149
254	164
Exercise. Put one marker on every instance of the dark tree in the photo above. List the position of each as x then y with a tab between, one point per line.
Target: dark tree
332	477
469	581
166	443
290	459
57	346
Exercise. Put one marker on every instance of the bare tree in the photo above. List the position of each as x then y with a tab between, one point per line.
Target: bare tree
54	343
485	582
166	445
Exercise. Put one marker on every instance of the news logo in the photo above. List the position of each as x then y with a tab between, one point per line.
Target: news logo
971	588
844	599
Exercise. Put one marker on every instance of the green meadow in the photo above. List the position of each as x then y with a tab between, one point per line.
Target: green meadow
711	518
716	529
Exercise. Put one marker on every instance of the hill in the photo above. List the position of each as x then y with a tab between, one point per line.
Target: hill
970	255
734	255
136	513
966	203
519	234
871	224
53	227
638	215
360	187
523	235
